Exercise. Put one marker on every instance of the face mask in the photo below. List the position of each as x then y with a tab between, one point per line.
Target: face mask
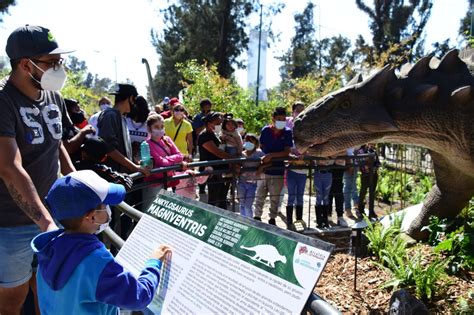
178	115
240	130
280	124
104	106
103	226
158	133
51	80
77	118
249	146
217	129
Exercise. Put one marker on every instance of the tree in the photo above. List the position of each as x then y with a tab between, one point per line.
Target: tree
302	58
395	22
465	27
4	4
210	31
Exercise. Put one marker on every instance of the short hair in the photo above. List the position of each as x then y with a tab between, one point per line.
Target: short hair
279	111
71	224
154	118
122	97
205	101
212	116
14	63
296	104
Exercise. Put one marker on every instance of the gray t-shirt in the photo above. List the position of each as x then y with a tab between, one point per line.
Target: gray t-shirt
37	128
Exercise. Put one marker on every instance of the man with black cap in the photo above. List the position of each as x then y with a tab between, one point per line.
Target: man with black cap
31	123
113	129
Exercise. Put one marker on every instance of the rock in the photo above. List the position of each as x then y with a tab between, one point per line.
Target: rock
403	303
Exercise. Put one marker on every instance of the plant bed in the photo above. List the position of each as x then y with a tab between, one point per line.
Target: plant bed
336	286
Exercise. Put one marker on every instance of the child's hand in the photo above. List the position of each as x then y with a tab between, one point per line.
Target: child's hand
161	252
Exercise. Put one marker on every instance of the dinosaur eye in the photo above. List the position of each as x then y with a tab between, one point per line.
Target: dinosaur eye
345	105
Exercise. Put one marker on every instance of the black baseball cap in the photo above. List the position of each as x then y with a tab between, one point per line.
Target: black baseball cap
96	148
30	41
125	90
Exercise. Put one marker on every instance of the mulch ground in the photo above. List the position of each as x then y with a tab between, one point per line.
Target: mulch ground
336	286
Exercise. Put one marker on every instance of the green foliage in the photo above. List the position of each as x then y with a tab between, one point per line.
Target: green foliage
394	185
454	241
227	96
394	22
76	90
4	4
409	271
466	305
383	240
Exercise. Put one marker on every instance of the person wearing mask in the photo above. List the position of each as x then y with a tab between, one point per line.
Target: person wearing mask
350	185
209	150
168	112
76	113
31	154
241	127
164	153
104	103
275	141
113	129
322	184
247	184
180	130
136	123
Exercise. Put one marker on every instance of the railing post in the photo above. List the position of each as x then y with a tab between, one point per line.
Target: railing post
310	176
371	182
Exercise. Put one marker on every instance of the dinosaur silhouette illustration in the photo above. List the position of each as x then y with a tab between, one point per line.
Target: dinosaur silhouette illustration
265	254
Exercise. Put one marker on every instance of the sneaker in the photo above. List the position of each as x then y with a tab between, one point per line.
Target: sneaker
257	218
342	222
272	221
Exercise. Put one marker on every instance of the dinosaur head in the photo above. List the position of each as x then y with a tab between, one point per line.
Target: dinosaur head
351	116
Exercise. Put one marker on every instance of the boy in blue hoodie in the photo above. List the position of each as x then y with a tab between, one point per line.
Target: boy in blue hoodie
76	273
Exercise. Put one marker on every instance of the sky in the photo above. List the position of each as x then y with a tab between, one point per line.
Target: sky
112	36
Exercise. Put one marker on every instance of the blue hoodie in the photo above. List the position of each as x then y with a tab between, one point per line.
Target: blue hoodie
77	275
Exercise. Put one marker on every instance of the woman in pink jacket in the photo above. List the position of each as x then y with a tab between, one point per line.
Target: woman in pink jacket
164	153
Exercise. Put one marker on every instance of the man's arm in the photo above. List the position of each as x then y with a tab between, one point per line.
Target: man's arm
20	185
72	145
189	140
269	156
65	161
125	162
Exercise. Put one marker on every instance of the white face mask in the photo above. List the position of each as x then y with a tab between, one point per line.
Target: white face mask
105	225
51	80
240	130
217	129
280	124
105	106
158	133
178	115
249	146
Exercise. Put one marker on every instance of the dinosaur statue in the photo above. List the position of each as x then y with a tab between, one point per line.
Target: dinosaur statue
431	106
265	254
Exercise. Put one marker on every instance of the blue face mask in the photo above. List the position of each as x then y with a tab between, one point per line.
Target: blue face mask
249	146
280	124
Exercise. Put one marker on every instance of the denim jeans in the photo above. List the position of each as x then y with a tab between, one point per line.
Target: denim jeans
322	183
16	254
246	193
296	183
350	188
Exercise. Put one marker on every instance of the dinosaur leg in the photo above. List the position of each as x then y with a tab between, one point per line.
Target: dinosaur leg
445	200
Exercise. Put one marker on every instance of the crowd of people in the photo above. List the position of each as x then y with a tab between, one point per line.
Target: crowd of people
43	135
174	137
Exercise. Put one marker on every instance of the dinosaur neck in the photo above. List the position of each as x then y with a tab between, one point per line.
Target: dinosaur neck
437	130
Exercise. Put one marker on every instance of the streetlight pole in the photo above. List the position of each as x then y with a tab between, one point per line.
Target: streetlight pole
258	56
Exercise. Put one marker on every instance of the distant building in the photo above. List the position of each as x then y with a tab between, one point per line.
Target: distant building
252	65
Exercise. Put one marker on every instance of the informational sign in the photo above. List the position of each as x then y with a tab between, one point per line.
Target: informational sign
223	263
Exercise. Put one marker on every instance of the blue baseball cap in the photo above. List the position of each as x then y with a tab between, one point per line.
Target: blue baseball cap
74	195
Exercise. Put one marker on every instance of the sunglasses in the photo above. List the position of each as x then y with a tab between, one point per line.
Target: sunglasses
55	64
179	109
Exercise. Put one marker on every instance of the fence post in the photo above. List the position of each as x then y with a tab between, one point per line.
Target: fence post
371	183
310	176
